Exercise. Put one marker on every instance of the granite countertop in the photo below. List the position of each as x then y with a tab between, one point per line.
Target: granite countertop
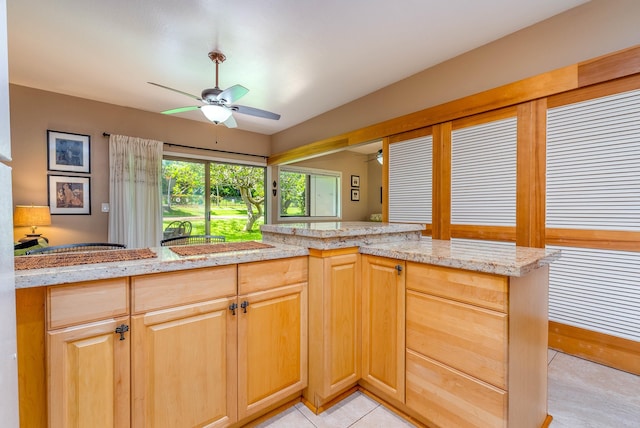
482	256
341	234
166	261
340	228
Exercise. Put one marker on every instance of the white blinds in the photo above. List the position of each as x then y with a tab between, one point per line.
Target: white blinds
410	177
593	164
593	182
483	174
598	290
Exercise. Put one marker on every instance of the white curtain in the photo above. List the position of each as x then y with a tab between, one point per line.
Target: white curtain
135	167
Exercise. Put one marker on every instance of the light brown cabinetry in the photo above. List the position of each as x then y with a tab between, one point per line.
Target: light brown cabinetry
87	363
334	323
184	357
383	325
476	347
272	333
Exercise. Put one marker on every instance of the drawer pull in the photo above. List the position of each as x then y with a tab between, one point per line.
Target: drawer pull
399	269
121	330
244	305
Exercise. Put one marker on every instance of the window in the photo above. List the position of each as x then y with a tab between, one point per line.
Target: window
306	192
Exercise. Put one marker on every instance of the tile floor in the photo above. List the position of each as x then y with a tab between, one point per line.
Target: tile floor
582	394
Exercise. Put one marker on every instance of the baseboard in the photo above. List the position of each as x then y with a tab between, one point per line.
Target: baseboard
616	352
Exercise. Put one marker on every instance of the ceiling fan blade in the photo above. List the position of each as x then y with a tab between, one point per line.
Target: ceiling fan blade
255	112
176	90
232	94
230	122
180	110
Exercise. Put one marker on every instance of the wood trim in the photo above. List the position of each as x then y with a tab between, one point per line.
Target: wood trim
385	179
489	116
410	135
313	252
491	233
612	351
321	147
601	90
32	381
609	67
600	239
441	181
531	174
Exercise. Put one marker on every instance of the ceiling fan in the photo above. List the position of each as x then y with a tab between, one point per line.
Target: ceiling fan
218	104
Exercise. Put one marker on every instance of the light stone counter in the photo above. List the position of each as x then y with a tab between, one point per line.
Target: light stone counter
482	256
166	261
331	235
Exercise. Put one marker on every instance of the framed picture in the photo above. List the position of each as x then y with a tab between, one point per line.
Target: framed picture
68	152
69	195
355	181
355	194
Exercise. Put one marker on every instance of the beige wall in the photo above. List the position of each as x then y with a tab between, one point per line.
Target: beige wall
33	112
593	29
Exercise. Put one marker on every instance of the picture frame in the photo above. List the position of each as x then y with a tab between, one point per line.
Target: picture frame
355	181
68	152
355	194
69	194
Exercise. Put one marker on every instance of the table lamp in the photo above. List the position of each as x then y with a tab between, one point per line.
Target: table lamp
32	216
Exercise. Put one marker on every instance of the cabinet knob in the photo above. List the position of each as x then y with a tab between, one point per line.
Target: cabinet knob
244	305
233	308
399	269
121	330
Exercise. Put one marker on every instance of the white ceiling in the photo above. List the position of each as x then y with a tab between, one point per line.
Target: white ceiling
299	58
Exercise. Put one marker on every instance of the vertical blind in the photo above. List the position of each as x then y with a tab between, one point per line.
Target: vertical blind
483	174
593	182
410	179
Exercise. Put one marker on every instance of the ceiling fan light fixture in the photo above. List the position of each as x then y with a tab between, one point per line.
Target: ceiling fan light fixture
216	114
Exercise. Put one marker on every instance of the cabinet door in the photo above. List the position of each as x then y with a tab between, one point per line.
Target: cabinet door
383	318
272	347
334	325
89	375
184	366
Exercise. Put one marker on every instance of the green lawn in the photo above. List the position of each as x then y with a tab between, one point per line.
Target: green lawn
230	228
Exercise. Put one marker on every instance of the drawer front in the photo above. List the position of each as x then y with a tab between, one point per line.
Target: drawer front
84	302
259	276
470	339
476	288
163	290
448	398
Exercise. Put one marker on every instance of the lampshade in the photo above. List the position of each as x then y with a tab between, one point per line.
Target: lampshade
216	114
379	156
32	216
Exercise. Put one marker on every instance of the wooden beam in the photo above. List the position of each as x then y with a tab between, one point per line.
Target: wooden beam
531	174
441	182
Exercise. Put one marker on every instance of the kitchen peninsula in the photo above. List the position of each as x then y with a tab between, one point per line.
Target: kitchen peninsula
449	333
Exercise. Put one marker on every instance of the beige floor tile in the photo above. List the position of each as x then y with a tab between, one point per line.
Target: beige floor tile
290	418
550	354
343	414
583	394
381	417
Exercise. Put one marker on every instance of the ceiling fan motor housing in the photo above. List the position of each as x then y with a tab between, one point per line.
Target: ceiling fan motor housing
210	95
